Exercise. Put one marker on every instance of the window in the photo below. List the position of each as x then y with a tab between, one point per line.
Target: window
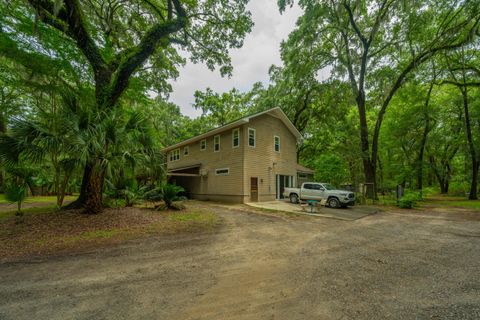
235	138
216	143
185	151
308	186
175	155
251	137
222	172
203	144
312	186
276	143
302	175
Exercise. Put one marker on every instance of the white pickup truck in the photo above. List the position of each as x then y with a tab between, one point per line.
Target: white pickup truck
325	193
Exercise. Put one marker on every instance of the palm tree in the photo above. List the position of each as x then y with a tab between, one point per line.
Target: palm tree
16	194
51	138
64	135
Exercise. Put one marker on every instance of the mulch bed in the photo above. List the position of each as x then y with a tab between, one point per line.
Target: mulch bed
65	231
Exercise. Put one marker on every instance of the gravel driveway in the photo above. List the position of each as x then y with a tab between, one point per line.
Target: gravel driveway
406	265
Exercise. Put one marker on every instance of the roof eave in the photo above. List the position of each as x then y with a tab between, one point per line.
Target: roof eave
207	134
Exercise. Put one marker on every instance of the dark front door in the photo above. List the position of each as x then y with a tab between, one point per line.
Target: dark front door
253	189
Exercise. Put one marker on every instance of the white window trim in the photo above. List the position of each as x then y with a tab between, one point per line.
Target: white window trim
186	148
201	144
254	137
222	174
274	145
233	137
172	155
214	144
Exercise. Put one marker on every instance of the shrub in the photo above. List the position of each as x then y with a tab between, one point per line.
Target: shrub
16	194
409	200
459	188
132	195
428	191
168	193
114	203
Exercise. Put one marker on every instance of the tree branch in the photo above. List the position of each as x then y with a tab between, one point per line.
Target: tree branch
354	24
128	61
416	61
460	84
69	20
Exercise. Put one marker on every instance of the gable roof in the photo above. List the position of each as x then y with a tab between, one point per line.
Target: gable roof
275	112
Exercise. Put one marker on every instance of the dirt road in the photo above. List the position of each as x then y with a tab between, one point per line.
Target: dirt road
259	266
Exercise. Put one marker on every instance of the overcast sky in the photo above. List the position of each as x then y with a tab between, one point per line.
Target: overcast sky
261	49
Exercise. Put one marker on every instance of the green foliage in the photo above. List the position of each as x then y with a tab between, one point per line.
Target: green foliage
409	200
132	196
114	202
168	193
369	45
331	168
219	109
459	188
16	194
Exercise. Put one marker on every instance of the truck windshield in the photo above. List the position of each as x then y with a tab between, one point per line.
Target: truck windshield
328	186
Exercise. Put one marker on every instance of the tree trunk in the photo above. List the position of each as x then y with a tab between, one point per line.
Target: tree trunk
423	142
471	147
443	186
368	167
93	194
80	202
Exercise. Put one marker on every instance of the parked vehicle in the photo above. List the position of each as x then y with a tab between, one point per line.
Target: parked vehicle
325	193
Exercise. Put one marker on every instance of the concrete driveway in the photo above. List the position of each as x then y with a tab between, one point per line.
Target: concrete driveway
349	213
396	265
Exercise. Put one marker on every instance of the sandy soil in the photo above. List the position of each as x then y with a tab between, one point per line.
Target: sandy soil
405	265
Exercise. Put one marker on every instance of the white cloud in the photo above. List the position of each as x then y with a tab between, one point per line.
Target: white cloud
261	49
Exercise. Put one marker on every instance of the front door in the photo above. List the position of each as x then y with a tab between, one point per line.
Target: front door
253	189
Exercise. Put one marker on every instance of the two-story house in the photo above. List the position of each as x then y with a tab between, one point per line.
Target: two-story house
248	160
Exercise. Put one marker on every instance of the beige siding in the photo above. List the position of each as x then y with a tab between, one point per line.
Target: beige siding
262	161
244	162
214	187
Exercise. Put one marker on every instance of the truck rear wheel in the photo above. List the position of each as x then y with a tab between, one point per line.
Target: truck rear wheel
333	203
293	198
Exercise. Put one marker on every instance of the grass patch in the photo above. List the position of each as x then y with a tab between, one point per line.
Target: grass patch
40	199
28	211
99	234
468	204
453	201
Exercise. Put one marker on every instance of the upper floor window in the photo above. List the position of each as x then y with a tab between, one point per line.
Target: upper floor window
251	137
175	155
235	138
186	150
203	144
216	143
276	143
